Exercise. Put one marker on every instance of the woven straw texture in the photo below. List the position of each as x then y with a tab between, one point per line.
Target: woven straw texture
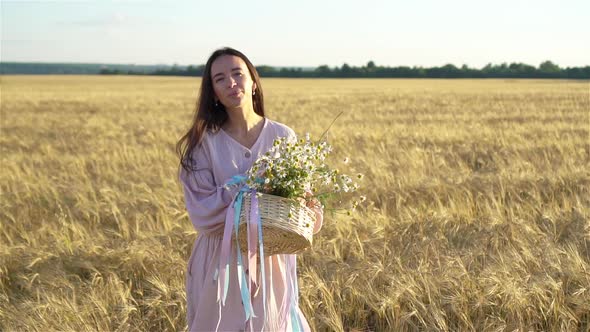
287	226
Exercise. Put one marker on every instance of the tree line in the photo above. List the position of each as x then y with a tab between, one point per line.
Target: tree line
546	69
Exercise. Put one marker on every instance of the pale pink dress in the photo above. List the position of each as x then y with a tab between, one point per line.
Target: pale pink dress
218	159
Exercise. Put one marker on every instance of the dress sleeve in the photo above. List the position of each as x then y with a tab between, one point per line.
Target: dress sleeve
291	136
206	201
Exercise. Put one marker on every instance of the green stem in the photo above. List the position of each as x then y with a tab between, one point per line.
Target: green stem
325	132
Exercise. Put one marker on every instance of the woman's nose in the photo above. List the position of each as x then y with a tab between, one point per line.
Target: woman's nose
232	82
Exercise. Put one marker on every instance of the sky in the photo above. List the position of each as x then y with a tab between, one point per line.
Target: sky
302	33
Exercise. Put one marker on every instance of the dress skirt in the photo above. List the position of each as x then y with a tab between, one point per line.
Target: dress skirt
205	312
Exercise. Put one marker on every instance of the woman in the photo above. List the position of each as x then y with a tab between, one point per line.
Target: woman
228	133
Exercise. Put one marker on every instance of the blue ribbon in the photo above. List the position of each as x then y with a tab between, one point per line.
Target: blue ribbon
241	275
262	269
245	292
242	281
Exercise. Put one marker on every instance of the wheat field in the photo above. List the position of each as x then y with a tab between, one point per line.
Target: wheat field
476	219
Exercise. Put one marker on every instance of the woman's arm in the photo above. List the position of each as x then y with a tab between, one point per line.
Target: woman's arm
319	217
206	201
316	207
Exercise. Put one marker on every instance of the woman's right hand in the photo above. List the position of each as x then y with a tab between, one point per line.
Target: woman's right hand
313	202
315	205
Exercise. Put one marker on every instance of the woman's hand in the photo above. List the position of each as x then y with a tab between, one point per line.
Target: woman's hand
313	202
315	205
310	203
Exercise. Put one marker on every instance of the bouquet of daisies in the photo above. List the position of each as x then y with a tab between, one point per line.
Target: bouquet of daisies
297	169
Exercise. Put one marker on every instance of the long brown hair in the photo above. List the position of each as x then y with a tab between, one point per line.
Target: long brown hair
209	115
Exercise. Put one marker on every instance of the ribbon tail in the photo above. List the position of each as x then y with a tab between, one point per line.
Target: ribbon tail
222	273
253	239
254	202
286	300
242	282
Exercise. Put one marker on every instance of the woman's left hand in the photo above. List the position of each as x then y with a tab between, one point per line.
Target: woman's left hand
317	207
310	203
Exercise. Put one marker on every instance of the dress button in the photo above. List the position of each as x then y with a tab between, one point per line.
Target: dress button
248	154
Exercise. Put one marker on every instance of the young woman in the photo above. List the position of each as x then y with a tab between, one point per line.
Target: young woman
228	133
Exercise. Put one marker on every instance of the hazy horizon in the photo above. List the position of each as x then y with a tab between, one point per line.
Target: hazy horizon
309	34
258	65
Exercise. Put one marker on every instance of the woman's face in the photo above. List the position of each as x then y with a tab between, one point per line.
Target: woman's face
231	80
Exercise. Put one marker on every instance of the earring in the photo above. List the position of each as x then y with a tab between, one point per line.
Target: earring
216	103
253	92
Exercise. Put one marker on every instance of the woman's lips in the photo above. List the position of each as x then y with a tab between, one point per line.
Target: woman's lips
234	94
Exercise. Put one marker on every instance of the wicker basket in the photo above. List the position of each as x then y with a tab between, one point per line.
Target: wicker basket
281	234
